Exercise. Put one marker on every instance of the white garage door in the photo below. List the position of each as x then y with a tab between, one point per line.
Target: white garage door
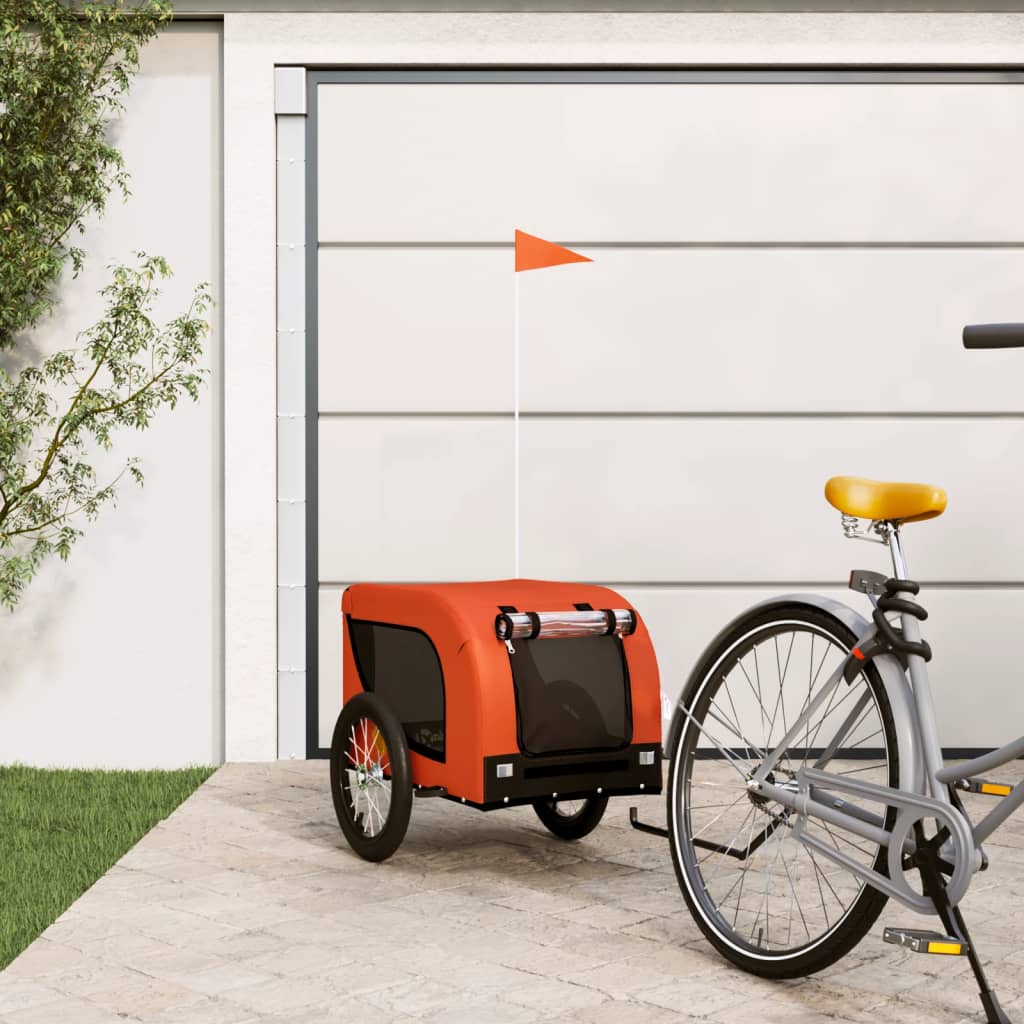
782	266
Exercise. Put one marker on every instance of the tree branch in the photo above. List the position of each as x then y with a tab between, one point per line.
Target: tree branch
67	513
55	444
48	127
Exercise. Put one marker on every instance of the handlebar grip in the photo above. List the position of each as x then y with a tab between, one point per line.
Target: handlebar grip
994	336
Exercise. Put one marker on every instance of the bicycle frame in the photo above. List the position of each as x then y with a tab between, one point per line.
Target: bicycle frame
925	783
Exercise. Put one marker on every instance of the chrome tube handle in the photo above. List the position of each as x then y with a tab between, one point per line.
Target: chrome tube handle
562	625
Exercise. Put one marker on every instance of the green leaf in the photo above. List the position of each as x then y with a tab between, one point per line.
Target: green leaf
54	416
63	73
64	70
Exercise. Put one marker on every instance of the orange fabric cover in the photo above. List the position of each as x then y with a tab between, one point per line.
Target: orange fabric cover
479	697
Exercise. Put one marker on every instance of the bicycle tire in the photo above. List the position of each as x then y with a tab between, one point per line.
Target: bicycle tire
576	824
371	778
754	953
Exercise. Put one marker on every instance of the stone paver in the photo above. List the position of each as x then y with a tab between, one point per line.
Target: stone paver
247	907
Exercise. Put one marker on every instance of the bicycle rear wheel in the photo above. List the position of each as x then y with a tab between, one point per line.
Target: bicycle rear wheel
765	901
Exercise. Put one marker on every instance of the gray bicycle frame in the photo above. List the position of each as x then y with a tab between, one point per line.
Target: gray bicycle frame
924	781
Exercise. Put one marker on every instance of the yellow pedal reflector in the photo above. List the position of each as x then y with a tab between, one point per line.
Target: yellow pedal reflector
919	941
995	789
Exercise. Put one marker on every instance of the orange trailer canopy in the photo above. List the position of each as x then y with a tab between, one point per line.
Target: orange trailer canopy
496	722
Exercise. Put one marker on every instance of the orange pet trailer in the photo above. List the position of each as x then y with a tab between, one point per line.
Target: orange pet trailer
491	694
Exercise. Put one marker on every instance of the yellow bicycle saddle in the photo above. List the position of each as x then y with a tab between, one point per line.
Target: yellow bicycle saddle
870	499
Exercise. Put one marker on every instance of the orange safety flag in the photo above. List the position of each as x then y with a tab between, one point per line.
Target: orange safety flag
534	253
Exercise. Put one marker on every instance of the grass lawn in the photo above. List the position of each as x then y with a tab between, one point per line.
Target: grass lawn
61	830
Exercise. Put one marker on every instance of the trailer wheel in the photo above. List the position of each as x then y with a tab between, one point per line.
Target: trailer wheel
371	781
571	819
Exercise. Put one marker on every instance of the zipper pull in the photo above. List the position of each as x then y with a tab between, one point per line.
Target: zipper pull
511	649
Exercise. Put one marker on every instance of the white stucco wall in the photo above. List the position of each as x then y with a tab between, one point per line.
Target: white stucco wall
114	658
254	43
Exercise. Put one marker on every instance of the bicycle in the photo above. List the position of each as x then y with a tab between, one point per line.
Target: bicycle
806	784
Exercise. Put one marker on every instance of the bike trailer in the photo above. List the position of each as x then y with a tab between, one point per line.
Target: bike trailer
502	693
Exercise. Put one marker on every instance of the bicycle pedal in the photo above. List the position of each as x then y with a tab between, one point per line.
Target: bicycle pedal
919	941
984	786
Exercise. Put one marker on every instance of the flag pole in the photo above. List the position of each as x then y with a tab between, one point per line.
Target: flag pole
531	253
515	432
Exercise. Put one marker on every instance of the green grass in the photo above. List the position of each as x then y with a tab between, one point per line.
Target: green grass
61	830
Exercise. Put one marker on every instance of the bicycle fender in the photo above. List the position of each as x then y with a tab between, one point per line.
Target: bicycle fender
894	679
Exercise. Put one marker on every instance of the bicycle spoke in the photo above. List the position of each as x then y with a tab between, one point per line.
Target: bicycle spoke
828	711
760	698
859	743
750	816
866	768
807	703
767	887
812	679
780	704
849	842
818	877
728	693
857	714
824	878
730	759
793	900
368	781
785	668
748	745
718	816
743	876
757	696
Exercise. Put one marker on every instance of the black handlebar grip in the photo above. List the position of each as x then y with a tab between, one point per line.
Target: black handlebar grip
994	336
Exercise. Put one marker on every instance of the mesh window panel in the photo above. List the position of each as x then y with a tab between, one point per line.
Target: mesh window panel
572	695
401	666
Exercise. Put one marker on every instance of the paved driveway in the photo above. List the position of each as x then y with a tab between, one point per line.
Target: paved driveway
246	905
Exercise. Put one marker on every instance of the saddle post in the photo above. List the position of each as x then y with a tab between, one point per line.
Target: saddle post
891	534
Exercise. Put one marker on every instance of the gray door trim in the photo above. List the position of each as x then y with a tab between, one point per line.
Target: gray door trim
317	76
290	127
906	74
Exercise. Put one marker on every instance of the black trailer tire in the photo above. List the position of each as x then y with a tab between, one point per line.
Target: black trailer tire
371	780
578	822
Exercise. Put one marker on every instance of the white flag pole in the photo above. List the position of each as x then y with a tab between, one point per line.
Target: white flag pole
515	430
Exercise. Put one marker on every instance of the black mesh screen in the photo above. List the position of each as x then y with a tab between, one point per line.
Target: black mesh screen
401	666
571	695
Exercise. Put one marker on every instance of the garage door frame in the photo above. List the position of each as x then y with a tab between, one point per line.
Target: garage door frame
298	429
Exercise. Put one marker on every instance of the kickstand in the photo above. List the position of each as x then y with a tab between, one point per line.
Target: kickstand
953	922
993	1011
